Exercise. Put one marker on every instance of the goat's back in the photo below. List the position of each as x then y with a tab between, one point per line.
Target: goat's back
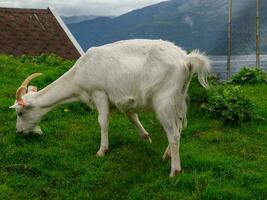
132	72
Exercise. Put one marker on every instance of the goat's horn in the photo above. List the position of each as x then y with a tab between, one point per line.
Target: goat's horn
29	78
23	88
20	91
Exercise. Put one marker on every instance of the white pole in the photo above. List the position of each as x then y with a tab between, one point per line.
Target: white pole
258	35
229	39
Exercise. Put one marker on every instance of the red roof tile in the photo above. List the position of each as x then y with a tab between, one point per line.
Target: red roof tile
32	32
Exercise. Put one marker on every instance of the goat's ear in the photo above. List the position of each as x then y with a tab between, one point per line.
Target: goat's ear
32	88
22	104
14	106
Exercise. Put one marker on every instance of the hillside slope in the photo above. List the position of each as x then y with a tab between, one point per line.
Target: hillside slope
189	23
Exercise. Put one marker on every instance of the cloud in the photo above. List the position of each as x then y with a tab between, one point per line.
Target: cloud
82	7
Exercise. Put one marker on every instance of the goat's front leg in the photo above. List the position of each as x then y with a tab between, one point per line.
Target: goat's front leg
142	132
102	104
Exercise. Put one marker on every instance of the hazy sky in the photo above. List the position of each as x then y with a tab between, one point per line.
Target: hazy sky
82	7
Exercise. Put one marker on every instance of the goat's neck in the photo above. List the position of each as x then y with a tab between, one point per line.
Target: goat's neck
61	91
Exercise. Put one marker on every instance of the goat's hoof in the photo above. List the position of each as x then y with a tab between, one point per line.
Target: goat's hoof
166	155
174	172
146	137
101	153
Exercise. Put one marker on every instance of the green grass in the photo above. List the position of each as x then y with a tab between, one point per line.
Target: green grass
218	161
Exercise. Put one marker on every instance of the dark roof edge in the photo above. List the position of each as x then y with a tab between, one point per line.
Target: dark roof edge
66	30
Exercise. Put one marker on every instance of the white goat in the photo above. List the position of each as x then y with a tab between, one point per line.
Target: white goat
132	75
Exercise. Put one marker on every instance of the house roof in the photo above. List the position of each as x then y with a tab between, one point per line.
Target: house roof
36	31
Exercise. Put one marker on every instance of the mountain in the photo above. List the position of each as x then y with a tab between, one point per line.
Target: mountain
191	24
78	19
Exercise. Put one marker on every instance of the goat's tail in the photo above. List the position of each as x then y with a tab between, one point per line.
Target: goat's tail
201	64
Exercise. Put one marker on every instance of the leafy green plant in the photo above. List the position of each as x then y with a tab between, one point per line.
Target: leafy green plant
197	93
249	75
229	104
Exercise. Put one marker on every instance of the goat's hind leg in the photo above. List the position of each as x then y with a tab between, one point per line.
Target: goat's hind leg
141	130
167	154
172	150
172	126
102	104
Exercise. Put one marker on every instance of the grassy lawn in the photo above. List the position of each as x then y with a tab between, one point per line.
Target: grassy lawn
218	161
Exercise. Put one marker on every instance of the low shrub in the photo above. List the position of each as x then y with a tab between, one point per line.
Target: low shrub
228	103
197	93
249	75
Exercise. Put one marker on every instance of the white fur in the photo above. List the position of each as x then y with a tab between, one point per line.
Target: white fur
132	75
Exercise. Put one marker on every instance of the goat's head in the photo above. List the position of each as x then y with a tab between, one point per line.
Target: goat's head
28	114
